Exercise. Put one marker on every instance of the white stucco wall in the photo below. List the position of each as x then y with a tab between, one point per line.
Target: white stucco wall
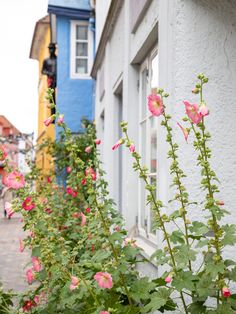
102	7
199	36
193	36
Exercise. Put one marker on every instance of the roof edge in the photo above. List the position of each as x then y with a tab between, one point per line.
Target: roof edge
108	27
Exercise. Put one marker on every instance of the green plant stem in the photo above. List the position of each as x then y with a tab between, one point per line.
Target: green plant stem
162	224
181	199
107	230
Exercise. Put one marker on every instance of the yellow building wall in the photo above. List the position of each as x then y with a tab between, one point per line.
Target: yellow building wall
43	159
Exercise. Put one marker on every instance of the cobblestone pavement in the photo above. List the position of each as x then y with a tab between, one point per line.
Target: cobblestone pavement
12	262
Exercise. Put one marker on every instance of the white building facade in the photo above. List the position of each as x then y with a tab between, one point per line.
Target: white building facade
164	43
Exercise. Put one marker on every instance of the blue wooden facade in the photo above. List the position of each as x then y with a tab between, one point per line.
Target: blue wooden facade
75	95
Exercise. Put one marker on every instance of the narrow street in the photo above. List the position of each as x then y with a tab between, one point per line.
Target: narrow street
12	261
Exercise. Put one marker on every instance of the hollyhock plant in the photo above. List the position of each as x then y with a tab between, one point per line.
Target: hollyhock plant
60	119
28	204
192	112
30	276
155	104
68	169
71	192
132	148
104	280
49	120
97	141
184	130
90	171
226	292
118	144
88	149
3	153
74	283
8	209
203	110
14	180
168	279
36	264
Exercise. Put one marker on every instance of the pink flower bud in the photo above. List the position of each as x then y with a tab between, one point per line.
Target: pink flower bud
97	141
132	148
68	169
88	149
168	279
221	203
226	292
88	210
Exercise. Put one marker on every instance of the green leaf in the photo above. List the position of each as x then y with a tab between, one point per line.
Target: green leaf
232	274
197	308
141	288
36	251
205	286
184	280
198	228
214	269
177	237
158	299
229	235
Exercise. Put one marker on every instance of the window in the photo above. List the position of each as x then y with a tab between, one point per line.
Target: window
81	49
148	81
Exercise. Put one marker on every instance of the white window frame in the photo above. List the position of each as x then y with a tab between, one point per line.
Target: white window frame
73	74
145	231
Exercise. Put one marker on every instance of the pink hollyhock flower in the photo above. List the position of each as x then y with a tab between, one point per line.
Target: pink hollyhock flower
203	110
168	279
14	180
3	153
8	209
129	241
48	210
74	283
49	120
71	192
132	148
83	219
104	312
36	299
76	215
49	180
68	169
36	264
226	292
184	130
28	305
155	104
22	245
60	120
30	275
117	228
97	141
88	149
192	112
104	280
88	210
117	144
90	171
83	181
28	204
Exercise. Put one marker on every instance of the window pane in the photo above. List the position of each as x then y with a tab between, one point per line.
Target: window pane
154	73
142	203
143	142
153	140
81	32
81	49
81	66
144	93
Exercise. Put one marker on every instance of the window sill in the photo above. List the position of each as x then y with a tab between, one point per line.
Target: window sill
148	248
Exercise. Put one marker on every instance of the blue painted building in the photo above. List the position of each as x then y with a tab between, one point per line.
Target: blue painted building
75	53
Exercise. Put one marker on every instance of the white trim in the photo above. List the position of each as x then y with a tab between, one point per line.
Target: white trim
146	120
73	74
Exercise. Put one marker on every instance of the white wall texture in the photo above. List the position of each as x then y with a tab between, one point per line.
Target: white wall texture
193	36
